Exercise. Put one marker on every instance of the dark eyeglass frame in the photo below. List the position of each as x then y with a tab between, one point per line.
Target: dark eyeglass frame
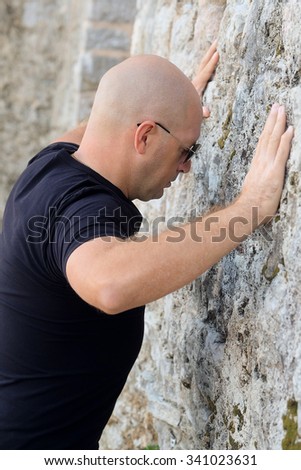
191	151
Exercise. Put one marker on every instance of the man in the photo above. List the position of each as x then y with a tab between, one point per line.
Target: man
74	279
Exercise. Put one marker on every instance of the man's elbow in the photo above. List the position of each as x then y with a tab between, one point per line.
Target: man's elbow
110	299
107	292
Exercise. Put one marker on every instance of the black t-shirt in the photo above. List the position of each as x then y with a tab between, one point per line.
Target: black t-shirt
63	363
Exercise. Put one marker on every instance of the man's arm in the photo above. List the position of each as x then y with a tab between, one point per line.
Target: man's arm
118	275
74	135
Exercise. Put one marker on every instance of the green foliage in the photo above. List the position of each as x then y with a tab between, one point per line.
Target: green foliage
152	447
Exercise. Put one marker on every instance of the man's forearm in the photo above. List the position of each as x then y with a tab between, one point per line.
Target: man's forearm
74	135
143	270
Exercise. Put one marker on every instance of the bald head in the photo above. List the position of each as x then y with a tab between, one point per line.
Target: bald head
142	160
140	88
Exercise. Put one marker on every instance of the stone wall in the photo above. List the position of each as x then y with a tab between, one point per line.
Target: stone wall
221	360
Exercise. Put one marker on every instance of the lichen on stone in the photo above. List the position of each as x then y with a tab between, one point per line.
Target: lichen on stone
292	439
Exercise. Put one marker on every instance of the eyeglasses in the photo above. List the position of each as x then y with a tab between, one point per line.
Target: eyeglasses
187	152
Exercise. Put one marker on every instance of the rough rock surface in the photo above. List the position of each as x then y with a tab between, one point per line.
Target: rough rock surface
225	352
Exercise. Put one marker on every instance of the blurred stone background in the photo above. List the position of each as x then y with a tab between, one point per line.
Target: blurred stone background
220	367
52	55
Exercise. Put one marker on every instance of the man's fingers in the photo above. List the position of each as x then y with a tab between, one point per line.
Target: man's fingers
268	129
207	57
264	181
206	112
284	147
208	71
274	142
279	128
270	122
206	68
205	73
211	66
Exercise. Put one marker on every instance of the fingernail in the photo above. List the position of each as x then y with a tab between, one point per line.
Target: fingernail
275	106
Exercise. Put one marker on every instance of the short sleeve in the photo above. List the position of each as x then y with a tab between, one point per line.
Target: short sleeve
92	213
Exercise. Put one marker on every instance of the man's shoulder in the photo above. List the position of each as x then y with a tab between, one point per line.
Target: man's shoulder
53	149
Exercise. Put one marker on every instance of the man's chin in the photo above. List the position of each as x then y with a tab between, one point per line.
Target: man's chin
153	196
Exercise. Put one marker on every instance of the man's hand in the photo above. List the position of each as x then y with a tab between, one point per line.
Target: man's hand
263	184
205	71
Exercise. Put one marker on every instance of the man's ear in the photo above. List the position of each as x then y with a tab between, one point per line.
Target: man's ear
142	134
